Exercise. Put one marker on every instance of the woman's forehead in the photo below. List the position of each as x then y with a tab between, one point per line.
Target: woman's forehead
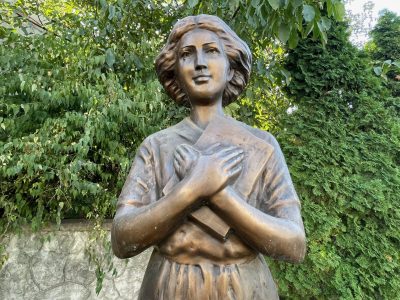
199	37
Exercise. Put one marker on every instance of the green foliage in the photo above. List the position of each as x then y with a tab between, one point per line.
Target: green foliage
288	20
100	254
385	50
386	37
78	99
74	107
342	145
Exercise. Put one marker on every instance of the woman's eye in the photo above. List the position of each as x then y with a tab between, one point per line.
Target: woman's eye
185	54
212	51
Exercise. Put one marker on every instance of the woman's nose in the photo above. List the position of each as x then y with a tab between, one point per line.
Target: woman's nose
200	62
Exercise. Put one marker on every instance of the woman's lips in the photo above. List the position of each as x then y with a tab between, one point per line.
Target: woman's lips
201	78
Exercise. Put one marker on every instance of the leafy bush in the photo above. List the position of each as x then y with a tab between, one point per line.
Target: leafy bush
342	145
385	49
77	99
75	105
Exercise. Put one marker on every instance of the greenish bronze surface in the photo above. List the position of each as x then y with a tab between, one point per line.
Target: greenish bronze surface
211	194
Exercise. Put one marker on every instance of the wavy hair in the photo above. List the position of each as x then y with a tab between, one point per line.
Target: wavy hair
236	50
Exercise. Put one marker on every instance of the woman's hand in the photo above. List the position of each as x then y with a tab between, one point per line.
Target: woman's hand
185	157
210	171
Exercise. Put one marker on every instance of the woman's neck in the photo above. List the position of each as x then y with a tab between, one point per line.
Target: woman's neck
201	115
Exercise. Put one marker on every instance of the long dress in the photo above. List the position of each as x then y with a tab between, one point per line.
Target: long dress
191	263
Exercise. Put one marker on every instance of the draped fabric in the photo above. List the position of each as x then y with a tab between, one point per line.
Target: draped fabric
167	278
246	281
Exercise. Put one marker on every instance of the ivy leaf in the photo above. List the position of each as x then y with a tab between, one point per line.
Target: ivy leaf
293	39
137	61
193	3
296	3
110	57
308	30
255	3
283	33
308	13
103	3
378	71
274	4
326	23
329	6
111	12
287	76
339	11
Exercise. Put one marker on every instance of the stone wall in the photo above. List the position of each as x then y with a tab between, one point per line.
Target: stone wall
52	264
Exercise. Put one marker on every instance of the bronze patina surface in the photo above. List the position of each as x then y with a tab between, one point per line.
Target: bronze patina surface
211	194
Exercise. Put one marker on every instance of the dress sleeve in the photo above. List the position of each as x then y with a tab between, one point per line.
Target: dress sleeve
280	198
140	186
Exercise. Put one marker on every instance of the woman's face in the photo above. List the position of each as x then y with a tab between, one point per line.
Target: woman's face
202	66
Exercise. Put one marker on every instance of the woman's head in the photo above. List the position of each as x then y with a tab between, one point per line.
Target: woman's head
237	53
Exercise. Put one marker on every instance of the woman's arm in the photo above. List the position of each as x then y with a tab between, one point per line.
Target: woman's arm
279	234
278	237
137	226
275	227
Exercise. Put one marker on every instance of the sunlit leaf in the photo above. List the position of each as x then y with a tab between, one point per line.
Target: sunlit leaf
339	10
326	23
111	11
193	3
284	32
296	3
308	13
378	70
274	4
293	39
110	57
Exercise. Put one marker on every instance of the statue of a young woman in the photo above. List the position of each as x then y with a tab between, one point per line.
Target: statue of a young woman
211	194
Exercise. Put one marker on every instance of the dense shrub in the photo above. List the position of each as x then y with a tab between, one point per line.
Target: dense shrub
342	145
76	100
385	49
75	103
78	95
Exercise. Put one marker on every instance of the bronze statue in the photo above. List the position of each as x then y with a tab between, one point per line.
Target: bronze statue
211	194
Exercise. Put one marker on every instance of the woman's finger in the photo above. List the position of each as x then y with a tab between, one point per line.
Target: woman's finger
176	164
212	148
180	153
235	171
192	152
179	160
185	151
227	150
231	155
234	161
188	148
184	148
179	167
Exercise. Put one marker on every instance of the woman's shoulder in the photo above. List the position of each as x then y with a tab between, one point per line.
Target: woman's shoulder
259	133
172	135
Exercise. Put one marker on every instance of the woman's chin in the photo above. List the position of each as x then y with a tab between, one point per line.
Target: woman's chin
205	97
205	101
